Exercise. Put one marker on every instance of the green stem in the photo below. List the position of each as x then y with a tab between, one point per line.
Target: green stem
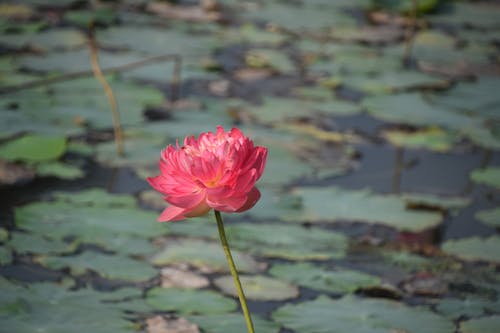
234	272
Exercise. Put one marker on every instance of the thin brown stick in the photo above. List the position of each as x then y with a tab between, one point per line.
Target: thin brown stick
84	73
96	68
410	33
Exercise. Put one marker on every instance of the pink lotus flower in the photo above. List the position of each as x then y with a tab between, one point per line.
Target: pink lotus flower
216	171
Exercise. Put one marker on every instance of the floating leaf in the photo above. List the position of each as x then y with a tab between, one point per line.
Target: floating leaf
481	325
336	281
59	170
275	59
249	33
5	255
287	241
390	81
352	314
155	41
489	176
362	206
48	307
33	148
232	322
432	138
204	255
490	217
62	38
471	306
474	248
38	244
298	18
188	301
108	266
258	287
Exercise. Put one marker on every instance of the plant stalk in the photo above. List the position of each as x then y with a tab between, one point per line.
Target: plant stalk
234	272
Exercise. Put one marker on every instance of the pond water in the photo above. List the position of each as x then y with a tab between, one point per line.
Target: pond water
379	208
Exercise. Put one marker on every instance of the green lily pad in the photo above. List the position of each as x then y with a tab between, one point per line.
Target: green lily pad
258	287
4	235
481	325
490	217
95	197
111	223
299	18
269	58
70	107
204	255
474	248
411	108
62	38
438	48
82	18
188	301
75	61
474	98
249	33
155	41
489	176
387	82
481	15
336	281
5	255
46	307
290	242
435	201
360	205
405	6
33	148
432	138
38	244
352	314
470	307
59	170
108	266
232	322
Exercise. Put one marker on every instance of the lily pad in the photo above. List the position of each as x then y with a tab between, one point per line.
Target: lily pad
5	255
490	217
363	206
59	170
390	81
111	224
188	301
204	255
249	33
232	322
269	58
33	148
489	176
432	138
352	314
287	241
108	266
300	18
481	325
258	287
339	280
474	248
38	244
62	38
469	307
51	308
155	41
